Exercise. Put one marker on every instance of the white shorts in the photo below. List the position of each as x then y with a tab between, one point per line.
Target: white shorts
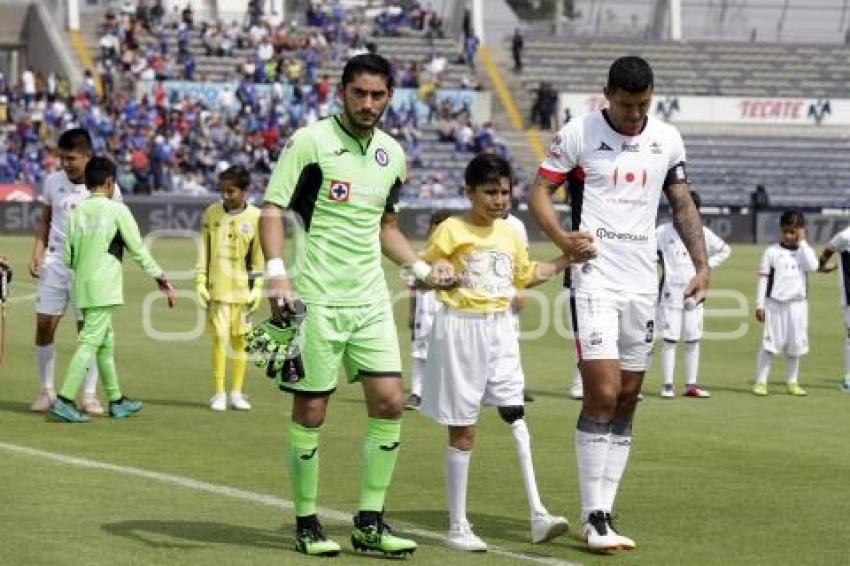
54	288
423	319
614	326
677	324
786	327
473	360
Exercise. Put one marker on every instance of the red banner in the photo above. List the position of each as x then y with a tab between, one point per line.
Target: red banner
16	192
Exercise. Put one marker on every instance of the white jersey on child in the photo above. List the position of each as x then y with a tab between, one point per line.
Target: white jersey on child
624	177
63	196
782	273
678	267
841	243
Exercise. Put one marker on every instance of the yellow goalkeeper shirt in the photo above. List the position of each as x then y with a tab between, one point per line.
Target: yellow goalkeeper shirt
231	259
490	262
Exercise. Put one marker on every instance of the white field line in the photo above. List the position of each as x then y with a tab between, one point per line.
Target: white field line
250	496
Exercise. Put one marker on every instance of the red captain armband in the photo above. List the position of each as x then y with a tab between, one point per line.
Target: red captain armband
553	177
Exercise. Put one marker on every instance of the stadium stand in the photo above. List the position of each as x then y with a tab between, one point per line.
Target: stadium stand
176	144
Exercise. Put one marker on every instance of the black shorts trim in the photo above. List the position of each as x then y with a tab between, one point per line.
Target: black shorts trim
326	393
368	373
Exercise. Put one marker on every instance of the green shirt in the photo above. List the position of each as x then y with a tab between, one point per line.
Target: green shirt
339	187
96	233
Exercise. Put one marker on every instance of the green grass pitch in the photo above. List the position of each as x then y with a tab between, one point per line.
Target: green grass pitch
734	479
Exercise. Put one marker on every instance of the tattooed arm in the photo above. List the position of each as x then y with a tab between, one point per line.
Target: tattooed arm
688	224
578	246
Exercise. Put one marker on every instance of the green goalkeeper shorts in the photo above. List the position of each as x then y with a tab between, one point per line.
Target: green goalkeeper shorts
363	338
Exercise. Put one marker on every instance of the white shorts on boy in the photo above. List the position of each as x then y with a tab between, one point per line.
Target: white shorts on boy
786	327
473	360
677	324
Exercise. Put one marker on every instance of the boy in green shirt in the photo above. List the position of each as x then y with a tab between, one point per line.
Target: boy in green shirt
96	234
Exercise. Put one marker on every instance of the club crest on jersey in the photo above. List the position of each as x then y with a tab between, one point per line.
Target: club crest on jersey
340	191
382	157
655	147
245	228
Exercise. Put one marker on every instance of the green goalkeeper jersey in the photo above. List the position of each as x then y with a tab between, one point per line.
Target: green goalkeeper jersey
97	232
339	186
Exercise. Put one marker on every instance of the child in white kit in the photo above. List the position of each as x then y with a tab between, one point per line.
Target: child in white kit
781	302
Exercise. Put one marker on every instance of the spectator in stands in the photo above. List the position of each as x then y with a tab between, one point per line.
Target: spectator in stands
517	44
470	49
759	202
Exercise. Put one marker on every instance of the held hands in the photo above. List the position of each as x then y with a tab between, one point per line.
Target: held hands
442	275
165	286
578	246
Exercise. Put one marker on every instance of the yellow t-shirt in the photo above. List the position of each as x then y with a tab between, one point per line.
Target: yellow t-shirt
231	255
489	261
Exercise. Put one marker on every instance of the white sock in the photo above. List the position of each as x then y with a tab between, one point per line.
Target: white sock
615	465
691	362
526	465
457	473
763	368
591	454
46	357
416	371
792	369
668	362
847	359
90	383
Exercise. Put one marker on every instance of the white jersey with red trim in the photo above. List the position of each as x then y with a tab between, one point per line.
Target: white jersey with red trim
618	204
63	196
677	266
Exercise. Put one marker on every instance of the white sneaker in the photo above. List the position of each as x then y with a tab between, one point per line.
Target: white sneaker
238	401
461	537
667	391
598	536
218	402
546	527
624	542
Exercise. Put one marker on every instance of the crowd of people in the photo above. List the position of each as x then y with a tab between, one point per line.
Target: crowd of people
176	142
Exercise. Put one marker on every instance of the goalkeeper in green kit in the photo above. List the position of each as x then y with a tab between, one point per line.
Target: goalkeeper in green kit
341	177
97	233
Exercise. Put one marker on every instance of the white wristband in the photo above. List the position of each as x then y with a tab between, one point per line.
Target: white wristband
420	270
275	268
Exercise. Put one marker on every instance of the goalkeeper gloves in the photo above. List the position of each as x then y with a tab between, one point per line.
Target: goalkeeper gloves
274	344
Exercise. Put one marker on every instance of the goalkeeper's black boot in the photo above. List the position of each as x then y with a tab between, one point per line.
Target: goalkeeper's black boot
310	538
372	533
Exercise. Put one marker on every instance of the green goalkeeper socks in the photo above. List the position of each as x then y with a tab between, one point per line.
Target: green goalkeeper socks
380	452
303	461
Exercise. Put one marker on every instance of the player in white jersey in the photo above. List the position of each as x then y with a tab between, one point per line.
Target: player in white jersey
680	320
840	244
423	304
628	159
63	191
781	302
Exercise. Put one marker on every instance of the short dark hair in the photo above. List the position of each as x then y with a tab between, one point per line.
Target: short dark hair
75	139
696	198
98	170
371	63
631	74
236	174
487	168
792	218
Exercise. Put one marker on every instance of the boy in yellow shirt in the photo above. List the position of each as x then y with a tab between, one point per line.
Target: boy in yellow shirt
228	281
473	349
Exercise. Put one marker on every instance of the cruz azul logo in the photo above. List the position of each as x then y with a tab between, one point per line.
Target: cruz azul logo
382	157
340	191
